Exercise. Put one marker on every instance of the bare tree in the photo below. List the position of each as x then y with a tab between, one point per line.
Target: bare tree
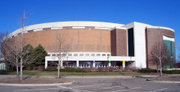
23	53
2	35
10	52
160	56
22	45
15	52
62	48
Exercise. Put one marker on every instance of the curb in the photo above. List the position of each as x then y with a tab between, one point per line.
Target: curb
23	85
97	77
144	76
166	81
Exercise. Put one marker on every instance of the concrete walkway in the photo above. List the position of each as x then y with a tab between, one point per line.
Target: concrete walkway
46	76
52	84
55	84
79	77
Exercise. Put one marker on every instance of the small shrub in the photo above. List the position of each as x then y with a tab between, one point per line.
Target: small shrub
2	72
155	71
171	71
147	71
51	69
73	70
67	69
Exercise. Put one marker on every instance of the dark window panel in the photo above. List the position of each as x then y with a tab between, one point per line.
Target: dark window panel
131	41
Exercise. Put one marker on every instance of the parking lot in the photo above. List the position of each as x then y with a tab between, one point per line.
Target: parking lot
94	84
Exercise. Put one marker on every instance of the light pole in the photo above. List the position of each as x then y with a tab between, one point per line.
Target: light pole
109	61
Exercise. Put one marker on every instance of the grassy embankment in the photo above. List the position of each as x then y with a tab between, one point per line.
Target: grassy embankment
79	73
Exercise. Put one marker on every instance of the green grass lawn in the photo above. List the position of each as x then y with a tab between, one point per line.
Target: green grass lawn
78	73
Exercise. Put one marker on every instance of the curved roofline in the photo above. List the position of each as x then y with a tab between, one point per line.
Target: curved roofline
74	24
130	25
151	26
79	24
160	27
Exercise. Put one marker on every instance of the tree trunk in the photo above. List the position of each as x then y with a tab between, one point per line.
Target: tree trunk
160	67
17	68
21	69
59	69
17	71
157	67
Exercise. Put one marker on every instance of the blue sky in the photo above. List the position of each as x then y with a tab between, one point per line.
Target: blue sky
155	12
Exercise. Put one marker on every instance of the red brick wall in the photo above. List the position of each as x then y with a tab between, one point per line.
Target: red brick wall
118	42
155	35
80	40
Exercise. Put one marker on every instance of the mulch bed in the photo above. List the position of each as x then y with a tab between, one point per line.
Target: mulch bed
167	78
33	80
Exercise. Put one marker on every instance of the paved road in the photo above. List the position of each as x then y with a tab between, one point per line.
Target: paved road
102	85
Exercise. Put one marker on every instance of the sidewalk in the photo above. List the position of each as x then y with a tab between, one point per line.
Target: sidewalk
68	80
91	76
50	76
11	80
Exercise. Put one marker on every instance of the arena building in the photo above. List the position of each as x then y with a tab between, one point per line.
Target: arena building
96	44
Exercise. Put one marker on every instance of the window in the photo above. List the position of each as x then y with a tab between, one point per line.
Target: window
87	54
89	27
92	54
46	29
69	54
53	54
18	33
67	27
58	54
98	55
49	55
170	47
171	52
103	54
131	42
75	54
30	30
108	54
81	55
63	54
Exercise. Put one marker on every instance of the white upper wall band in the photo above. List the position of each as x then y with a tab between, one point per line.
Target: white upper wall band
130	25
160	27
73	24
168	38
78	25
